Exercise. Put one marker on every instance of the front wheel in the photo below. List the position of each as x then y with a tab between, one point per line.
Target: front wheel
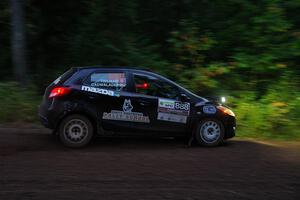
75	131
209	132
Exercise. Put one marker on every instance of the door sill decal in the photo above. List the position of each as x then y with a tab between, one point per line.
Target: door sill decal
126	114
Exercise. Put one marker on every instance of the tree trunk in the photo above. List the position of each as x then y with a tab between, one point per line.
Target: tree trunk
18	40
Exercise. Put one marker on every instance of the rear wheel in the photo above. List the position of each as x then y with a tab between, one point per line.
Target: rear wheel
75	131
209	132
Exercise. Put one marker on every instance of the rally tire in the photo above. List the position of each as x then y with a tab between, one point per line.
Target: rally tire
209	132
75	131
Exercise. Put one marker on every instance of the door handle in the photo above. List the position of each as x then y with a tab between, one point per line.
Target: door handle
92	96
144	103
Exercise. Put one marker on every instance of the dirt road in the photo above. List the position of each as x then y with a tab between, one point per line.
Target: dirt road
34	165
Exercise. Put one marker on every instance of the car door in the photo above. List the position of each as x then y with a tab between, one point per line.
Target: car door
104	91
161	101
117	110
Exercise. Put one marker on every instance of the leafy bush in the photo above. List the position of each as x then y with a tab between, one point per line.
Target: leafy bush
274	115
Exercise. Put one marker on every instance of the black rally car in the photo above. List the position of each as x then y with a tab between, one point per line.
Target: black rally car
123	101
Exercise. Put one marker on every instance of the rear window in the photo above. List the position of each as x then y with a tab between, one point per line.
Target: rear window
107	80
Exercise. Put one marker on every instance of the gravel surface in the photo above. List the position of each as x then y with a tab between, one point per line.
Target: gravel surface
34	165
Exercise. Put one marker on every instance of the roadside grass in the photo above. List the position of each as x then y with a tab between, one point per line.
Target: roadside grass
18	104
265	119
292	135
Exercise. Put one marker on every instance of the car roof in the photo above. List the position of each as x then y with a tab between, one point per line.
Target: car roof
129	68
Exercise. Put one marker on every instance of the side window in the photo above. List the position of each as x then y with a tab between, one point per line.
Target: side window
153	86
107	80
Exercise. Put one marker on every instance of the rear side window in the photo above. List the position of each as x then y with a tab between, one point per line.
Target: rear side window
153	86
107	80
64	76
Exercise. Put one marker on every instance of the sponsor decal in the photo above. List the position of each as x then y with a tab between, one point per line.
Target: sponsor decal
127	107
209	109
174	111
117	80
166	103
99	91
126	114
171	117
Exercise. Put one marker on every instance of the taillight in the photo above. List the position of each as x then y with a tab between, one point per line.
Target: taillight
59	91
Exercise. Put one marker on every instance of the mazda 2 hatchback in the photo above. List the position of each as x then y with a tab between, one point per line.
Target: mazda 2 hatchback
87	101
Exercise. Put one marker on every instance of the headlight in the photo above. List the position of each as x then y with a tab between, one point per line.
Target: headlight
226	110
223	99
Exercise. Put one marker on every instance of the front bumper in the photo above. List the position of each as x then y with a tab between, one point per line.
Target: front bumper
230	126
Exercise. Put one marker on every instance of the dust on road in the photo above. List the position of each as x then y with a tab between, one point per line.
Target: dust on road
34	165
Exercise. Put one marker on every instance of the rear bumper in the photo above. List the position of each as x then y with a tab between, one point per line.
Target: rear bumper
49	114
44	121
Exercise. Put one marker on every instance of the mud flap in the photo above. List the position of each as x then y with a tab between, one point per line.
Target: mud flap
190	142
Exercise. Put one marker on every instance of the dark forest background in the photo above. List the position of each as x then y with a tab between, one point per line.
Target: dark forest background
246	50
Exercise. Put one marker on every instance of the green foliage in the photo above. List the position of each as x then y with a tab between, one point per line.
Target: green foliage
18	103
190	50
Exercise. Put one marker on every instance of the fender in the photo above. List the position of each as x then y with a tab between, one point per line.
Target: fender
82	109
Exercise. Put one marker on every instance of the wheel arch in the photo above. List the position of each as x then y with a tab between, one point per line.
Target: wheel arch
93	120
196	122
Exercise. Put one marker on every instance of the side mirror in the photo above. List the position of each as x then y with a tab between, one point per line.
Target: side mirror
184	97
